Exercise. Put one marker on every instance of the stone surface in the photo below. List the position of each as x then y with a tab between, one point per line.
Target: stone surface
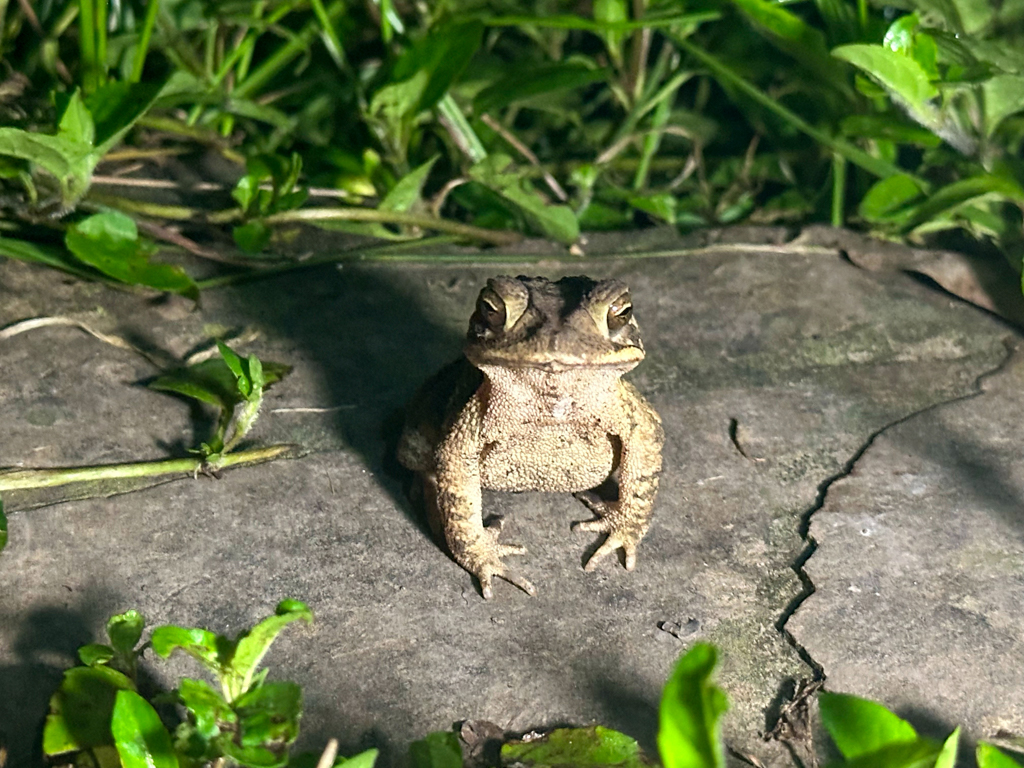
919	568
771	368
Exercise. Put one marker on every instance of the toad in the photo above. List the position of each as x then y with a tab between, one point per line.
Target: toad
537	402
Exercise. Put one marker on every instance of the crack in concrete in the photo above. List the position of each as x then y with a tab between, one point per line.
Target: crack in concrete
810	545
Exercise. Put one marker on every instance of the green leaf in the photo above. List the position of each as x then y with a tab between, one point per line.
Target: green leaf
947	755
901	76
207	707
959	193
204	646
859	726
1003	97
581	747
888	127
369	757
661	205
76	123
213	383
793	35
253	646
116	106
140	737
555	221
50	255
109	241
691	706
990	757
537	81
125	630
890	199
437	750
409	189
442	55
268	723
95	654
252	237
81	709
70	162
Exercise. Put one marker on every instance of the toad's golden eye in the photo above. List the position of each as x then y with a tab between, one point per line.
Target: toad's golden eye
491	310
619	312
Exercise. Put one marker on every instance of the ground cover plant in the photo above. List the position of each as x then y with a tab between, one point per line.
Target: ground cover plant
98	717
478	120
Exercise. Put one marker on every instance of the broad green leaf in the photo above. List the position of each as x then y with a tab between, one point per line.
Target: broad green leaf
442	55
76	123
580	747
555	221
990	757
961	192
921	753
116	106
901	76
140	737
206	705
125	630
947	755
81	709
252	237
859	727
437	750
50	255
409	189
890	199
691	706
204	646
109	241
1003	96
794	36
95	654
212	382
268	716
253	646
70	162
661	205
368	758
232	361
537	81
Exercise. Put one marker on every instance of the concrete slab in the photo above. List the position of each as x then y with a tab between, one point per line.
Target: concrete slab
919	568
771	367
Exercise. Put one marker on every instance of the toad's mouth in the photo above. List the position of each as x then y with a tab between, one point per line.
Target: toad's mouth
619	360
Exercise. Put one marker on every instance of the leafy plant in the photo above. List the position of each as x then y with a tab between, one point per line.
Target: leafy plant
231	384
98	717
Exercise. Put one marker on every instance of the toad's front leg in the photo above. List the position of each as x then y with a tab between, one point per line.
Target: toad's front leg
474	546
626	520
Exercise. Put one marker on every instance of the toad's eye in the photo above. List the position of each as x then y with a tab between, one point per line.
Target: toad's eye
491	311
620	312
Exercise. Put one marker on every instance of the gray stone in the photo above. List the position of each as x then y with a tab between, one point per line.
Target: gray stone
770	365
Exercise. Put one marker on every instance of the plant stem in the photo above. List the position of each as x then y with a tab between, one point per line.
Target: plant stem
152	8
25	479
838	190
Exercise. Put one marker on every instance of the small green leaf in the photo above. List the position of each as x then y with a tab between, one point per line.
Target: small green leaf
76	123
125	630
70	162
50	255
268	716
212	382
1003	97
255	376
116	106
368	758
947	755
959	193
691	706
140	737
95	654
437	750
990	757
204	646
661	205
890	199
581	747
109	241
903	77
231	360
255	643
252	237
207	707
859	726
409	189
442	56
81	709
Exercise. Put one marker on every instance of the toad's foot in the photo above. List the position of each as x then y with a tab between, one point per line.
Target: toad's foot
623	530
482	558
